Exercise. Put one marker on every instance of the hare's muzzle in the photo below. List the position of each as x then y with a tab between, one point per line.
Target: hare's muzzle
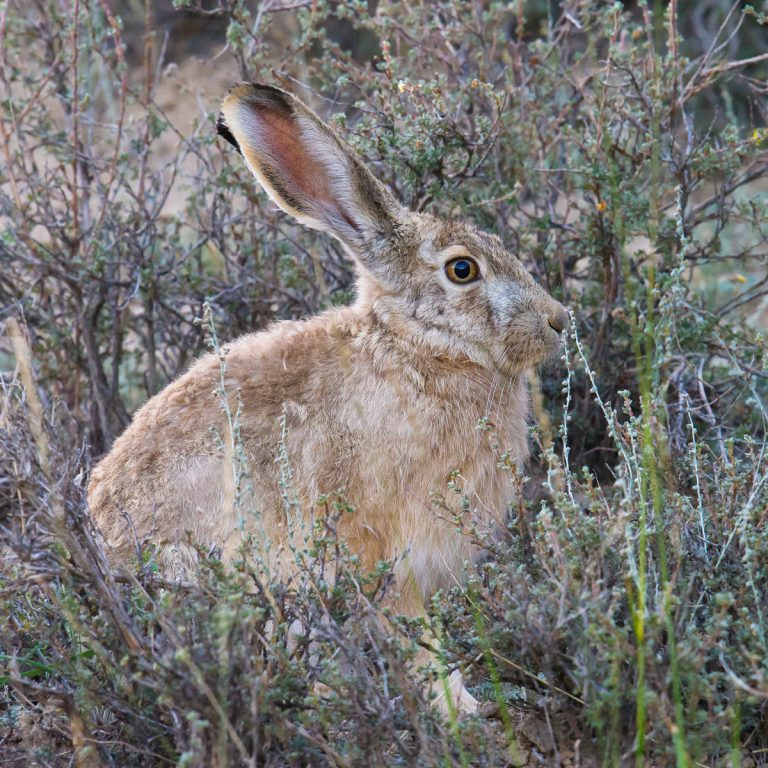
558	319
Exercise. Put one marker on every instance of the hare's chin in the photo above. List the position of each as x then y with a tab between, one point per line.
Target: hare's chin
553	342
555	350
543	357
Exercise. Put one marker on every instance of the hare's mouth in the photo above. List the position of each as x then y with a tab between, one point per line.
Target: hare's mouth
554	337
554	347
550	335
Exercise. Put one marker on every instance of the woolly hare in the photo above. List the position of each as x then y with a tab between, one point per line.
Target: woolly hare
381	399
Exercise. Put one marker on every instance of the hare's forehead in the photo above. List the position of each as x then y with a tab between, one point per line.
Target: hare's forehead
453	239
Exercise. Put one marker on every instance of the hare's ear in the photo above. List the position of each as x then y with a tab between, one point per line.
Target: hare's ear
305	167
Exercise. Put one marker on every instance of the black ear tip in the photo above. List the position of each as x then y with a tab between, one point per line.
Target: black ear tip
223	130
267	96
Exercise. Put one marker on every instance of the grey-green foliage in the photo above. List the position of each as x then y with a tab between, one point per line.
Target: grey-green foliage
621	153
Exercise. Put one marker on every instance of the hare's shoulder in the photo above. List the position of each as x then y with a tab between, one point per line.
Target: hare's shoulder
291	358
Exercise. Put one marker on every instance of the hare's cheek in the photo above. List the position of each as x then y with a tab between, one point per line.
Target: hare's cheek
507	305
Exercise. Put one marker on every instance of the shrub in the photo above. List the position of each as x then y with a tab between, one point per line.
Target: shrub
621	152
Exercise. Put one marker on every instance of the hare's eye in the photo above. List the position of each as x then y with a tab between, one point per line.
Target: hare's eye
462	271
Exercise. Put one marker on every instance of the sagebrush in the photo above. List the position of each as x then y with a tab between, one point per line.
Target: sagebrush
620	150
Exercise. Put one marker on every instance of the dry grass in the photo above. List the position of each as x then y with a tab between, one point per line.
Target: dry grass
619	619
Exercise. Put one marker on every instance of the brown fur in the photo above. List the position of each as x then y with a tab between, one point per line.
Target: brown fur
380	399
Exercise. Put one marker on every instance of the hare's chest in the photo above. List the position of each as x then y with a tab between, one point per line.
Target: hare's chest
445	446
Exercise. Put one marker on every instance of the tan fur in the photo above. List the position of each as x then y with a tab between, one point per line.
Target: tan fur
381	399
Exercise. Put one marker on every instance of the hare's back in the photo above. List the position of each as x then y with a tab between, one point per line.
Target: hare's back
171	470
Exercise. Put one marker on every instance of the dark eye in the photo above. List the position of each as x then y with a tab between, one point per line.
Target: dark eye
462	271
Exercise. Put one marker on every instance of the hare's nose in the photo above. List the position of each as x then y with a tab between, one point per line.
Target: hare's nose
558	319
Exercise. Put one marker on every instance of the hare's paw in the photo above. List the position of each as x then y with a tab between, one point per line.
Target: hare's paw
452	695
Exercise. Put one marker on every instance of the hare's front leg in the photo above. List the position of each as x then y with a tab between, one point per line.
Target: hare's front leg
451	695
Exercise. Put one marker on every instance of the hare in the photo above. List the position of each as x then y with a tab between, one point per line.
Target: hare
380	399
